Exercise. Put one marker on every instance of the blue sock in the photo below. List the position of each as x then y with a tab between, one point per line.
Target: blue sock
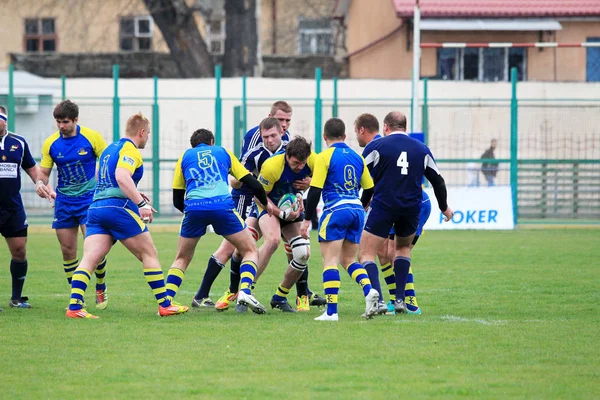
18	271
212	271
401	267
373	273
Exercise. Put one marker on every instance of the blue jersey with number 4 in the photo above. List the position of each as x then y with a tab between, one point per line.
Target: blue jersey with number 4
397	164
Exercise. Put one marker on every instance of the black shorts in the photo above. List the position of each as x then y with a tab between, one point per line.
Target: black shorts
380	222
13	223
243	205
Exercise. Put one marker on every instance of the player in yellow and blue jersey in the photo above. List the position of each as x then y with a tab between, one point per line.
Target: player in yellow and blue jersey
120	212
278	176
201	192
398	164
14	155
75	150
338	176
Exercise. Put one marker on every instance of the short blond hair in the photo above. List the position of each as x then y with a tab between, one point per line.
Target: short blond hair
281	105
135	123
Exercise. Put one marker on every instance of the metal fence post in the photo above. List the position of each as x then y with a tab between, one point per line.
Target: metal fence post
514	127
155	148
244	115
116	105
237	127
218	106
334	107
11	98
318	111
63	87
425	112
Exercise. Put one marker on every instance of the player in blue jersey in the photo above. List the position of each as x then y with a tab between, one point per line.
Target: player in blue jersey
242	195
14	155
277	176
366	128
280	110
120	212
338	176
75	150
201	192
398	164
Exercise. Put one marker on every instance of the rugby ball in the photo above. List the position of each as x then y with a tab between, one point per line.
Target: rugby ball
288	201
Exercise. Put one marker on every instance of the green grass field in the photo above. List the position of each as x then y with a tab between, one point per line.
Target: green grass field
505	315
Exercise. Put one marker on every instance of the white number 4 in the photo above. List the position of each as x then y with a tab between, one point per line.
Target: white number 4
403	163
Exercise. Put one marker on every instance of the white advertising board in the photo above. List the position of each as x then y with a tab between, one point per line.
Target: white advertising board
474	208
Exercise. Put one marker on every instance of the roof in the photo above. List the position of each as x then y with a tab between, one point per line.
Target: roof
499	8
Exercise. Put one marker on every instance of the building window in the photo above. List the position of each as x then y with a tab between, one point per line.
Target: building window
136	33
215	36
481	64
40	35
315	36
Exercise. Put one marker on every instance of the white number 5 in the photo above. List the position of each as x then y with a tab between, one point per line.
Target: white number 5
403	163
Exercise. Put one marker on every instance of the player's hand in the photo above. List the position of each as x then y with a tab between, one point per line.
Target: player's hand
300	202
302	184
448	214
304	228
43	190
146	213
146	198
294	215
270	208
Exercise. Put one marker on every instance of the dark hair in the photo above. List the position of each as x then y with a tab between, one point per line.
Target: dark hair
395	120
66	109
3	109
202	136
269	123
367	121
299	148
281	105
335	128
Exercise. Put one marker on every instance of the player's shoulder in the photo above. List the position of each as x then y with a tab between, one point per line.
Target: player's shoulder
52	138
90	133
15	137
252	131
275	160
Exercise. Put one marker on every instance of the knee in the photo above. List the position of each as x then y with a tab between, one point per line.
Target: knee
19	253
271	243
300	250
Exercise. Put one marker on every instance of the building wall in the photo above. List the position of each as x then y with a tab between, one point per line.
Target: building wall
285	26
368	21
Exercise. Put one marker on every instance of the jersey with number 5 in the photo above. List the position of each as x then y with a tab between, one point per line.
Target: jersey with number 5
397	164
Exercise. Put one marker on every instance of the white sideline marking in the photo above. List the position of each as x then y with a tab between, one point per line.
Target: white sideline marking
454	318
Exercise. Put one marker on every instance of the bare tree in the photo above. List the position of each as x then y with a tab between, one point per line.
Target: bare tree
241	39
187	46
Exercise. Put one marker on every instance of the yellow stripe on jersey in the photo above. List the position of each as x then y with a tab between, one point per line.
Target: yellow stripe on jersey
136	218
321	167
237	169
130	157
239	216
178	178
47	161
95	138
366	181
323	229
271	171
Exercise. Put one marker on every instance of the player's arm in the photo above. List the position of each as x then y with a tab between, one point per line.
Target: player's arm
179	187
249	164
240	173
46	164
366	182
129	160
432	173
320	167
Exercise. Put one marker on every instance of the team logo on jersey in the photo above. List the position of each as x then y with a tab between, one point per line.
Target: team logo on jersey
128	160
60	155
3	158
14	147
264	181
82	152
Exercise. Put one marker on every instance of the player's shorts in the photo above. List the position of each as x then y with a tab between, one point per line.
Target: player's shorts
253	211
224	222
282	222
13	223
70	212
338	224
404	221
118	218
423	216
243	205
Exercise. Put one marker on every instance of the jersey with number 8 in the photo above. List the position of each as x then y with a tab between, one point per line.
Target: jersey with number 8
397	164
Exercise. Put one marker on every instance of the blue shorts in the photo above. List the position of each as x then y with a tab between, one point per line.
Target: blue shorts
13	223
253	212
69	213
404	221
118	218
423	216
243	205
338	224
224	222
